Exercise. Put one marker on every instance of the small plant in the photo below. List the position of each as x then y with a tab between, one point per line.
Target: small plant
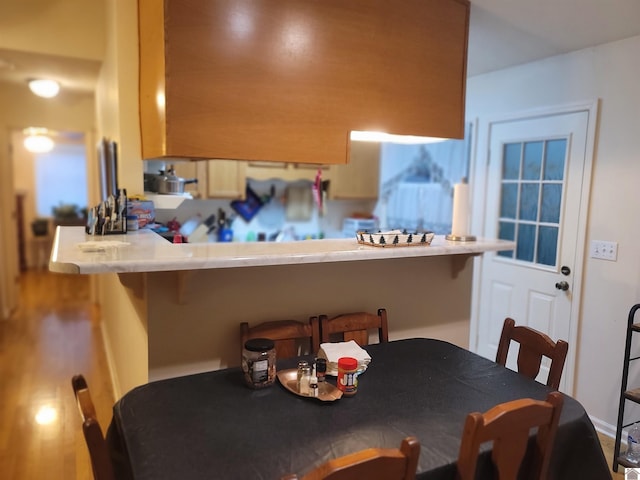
66	211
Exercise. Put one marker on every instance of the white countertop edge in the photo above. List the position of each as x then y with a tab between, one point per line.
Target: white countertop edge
145	251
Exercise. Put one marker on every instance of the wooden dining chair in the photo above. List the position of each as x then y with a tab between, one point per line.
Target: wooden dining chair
291	337
354	326
101	463
533	346
371	464
508	426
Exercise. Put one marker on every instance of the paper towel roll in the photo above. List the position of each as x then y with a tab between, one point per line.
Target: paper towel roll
460	221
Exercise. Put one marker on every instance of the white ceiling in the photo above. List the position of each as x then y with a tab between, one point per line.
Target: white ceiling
74	74
502	33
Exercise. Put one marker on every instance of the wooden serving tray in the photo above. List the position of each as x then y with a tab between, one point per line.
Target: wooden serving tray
327	392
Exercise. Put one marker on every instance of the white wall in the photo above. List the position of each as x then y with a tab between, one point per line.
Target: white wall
123	311
610	73
194	317
69	28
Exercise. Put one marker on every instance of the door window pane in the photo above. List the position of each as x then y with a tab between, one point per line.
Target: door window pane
529	202
507	231
554	159
511	162
551	197
531	199
526	242
509	200
532	160
547	245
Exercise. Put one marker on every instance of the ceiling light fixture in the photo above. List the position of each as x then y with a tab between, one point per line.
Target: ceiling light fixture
44	88
37	140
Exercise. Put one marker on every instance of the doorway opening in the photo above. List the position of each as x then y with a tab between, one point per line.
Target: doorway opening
51	189
538	174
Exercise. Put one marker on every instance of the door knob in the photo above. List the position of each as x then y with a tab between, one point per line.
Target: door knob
564	286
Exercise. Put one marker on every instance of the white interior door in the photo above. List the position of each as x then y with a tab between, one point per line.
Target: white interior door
535	192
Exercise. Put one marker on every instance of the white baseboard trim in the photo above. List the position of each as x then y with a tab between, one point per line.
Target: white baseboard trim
604	427
162	373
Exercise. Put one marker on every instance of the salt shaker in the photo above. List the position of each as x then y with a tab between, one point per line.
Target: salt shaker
304	387
301	365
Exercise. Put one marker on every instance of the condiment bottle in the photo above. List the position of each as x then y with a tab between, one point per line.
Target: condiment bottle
313	386
348	375
259	362
321	369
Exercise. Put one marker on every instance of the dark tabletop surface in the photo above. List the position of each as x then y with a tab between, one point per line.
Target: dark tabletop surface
211	425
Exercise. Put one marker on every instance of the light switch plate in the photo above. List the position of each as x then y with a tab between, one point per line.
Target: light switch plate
604	250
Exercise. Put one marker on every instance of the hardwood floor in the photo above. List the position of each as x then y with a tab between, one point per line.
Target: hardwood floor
53	335
607	446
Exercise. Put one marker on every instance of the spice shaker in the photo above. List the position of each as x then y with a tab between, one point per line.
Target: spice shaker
301	365
259	362
304	386
321	369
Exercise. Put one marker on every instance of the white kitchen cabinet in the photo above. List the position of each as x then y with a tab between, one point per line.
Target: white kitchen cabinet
288	172
226	179
191	170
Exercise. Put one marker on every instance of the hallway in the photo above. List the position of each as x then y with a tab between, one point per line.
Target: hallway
53	335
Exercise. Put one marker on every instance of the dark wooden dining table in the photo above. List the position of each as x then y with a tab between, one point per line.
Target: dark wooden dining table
212	426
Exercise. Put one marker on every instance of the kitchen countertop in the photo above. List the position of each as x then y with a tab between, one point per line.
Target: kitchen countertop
145	251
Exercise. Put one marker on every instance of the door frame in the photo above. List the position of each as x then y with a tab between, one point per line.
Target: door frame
480	167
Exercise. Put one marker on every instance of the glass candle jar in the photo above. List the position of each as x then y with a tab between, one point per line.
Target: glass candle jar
259	362
348	375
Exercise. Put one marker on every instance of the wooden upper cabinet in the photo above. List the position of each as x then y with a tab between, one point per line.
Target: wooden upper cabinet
287	80
360	178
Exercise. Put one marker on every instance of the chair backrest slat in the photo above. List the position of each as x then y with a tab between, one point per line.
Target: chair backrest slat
354	326
508	426
101	463
533	346
291	337
370	464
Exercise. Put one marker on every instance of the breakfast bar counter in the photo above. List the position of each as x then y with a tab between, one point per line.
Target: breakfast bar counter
174	309
145	251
